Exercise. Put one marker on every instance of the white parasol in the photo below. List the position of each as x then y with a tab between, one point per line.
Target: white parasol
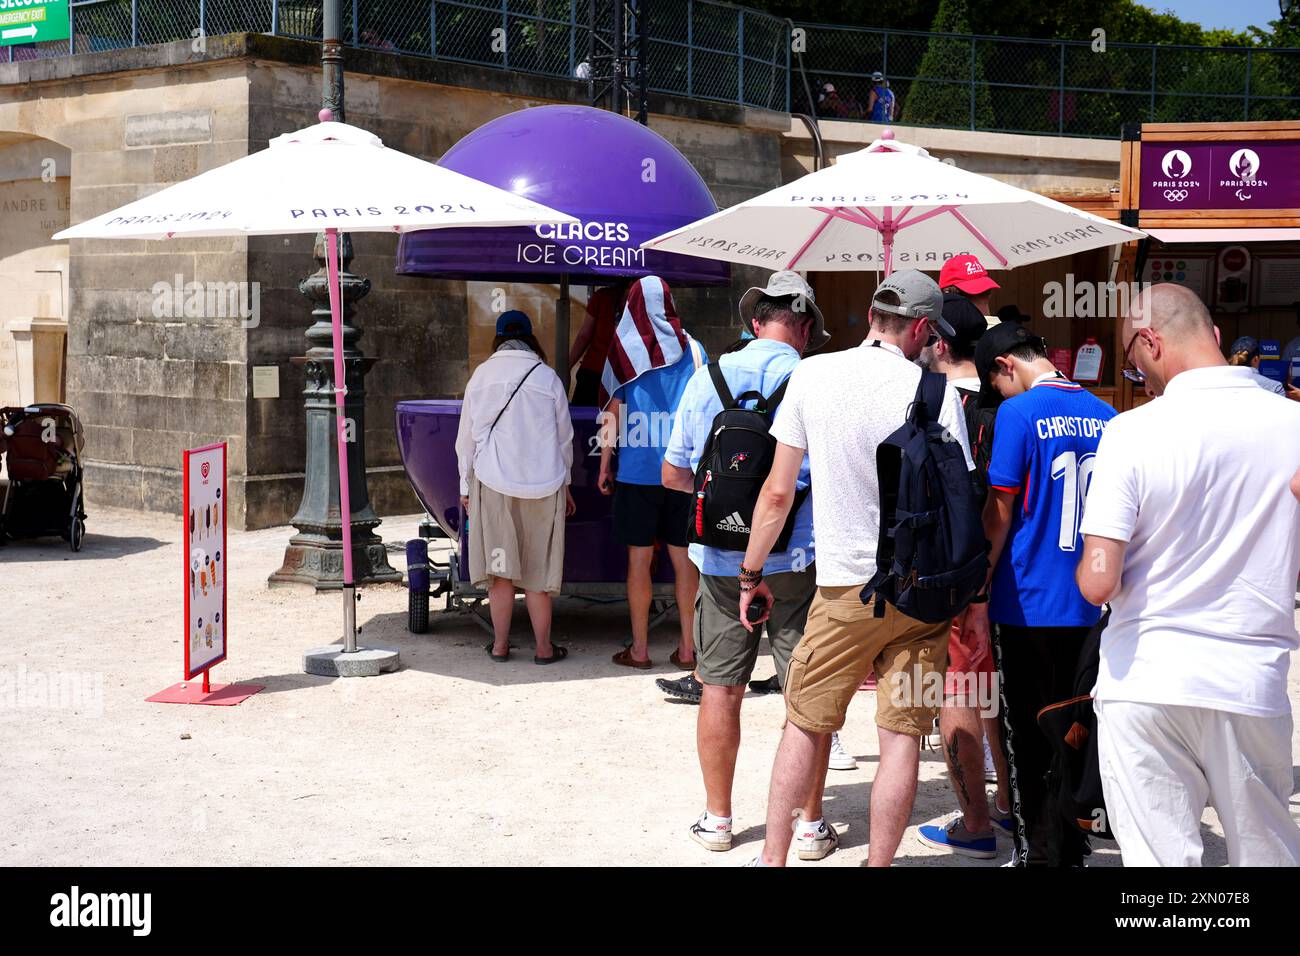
328	178
892	205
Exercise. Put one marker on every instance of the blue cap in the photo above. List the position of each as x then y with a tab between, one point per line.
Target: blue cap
1246	343
514	322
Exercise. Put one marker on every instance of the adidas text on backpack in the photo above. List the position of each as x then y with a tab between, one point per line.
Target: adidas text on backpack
932	556
735	462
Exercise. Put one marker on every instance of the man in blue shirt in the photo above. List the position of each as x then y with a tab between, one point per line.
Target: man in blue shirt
644	511
1045	440
880	104
785	323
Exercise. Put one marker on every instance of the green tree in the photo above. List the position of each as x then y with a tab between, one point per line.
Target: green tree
941	95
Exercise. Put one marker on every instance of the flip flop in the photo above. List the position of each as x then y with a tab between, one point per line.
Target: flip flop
624	659
499	658
558	653
680	664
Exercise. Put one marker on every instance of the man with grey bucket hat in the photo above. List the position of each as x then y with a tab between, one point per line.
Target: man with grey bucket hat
785	323
838	409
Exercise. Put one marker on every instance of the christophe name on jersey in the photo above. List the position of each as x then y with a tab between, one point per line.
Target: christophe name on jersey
1073	426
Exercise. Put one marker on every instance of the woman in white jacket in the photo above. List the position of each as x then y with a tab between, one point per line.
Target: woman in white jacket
515	453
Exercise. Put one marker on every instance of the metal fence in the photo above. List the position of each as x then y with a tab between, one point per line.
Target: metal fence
1061	87
697	48
716	51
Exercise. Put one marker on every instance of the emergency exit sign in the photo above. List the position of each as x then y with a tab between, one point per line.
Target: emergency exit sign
33	21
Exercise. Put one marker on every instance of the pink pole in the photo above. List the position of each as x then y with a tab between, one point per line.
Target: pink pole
970	227
887	233
340	391
809	241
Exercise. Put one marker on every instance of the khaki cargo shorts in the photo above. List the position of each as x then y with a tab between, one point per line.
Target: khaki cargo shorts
843	642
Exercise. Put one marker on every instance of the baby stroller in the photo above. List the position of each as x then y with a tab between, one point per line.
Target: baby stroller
41	445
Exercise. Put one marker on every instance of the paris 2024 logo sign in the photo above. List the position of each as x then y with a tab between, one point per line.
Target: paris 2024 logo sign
1177	167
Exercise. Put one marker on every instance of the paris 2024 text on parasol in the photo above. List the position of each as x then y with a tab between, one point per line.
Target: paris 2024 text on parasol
892	205
328	178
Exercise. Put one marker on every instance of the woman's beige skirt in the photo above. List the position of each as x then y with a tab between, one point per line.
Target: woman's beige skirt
521	539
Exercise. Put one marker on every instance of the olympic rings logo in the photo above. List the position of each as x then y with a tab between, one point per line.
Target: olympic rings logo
1175	195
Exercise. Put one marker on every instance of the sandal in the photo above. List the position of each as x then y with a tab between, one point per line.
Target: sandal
624	659
680	664
499	658
558	653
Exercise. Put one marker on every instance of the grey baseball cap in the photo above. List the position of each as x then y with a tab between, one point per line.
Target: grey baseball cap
918	297
780	285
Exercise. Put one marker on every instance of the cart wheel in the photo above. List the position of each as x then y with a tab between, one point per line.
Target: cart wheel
417	612
77	534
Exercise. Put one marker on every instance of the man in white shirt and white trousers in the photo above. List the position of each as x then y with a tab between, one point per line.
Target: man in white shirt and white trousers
1192	533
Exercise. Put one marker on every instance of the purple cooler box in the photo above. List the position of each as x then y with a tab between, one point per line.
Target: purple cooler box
426	436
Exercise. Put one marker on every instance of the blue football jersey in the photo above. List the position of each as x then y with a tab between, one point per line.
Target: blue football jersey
1044	445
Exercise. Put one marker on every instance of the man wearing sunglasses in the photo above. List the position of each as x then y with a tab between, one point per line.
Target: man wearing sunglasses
1045	439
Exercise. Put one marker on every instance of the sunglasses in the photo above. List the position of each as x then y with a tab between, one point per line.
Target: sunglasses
1131	371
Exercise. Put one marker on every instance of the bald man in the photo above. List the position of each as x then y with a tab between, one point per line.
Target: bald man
1192	534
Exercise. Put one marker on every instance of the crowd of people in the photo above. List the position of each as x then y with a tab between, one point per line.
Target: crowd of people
1190	539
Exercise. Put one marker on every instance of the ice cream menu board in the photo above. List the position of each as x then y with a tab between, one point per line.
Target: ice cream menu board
205	557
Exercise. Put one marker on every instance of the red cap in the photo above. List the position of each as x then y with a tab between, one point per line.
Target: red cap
966	274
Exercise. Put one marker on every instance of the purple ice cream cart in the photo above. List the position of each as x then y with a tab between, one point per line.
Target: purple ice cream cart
626	184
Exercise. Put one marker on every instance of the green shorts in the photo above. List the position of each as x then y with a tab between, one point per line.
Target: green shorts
725	652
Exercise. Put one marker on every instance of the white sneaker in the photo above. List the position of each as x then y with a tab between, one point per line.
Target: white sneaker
841	759
718	840
990	768
815	843
933	740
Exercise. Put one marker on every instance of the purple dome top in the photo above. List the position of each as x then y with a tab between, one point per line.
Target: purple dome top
625	182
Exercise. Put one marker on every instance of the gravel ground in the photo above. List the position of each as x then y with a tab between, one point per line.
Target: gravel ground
451	760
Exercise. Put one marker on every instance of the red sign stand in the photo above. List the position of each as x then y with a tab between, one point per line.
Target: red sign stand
204	582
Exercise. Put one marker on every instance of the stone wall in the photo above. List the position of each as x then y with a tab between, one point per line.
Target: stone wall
34	204
146	385
150	385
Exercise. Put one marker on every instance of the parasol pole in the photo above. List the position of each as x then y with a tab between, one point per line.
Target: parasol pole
562	333
340	430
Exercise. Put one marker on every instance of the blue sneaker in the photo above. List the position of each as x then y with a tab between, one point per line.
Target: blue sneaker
955	838
1002	820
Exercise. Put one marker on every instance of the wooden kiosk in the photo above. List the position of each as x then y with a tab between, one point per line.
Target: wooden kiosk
1221	204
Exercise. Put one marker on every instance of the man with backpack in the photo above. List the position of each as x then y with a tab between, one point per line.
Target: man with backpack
719	452
840	410
1044	446
968	722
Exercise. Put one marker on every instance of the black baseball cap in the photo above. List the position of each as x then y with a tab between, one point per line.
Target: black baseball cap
963	323
993	344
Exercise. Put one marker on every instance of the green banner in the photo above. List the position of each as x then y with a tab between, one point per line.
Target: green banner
33	21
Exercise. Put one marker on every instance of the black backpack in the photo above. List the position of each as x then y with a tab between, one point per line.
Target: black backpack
1071	726
735	462
931	555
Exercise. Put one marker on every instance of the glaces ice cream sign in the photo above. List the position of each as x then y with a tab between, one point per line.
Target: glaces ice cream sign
581	244
1258	175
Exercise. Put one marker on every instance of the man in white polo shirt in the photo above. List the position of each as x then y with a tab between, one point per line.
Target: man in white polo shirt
1192	534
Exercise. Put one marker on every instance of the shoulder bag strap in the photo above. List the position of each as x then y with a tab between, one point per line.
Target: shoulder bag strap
512	397
930	391
775	398
720	386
